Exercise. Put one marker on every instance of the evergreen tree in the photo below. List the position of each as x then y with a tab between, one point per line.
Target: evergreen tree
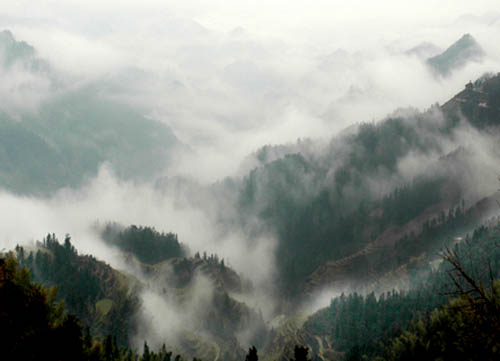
252	354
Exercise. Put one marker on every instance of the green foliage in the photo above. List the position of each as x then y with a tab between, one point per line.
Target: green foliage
322	207
406	322
364	321
467	328
434	232
147	244
410	200
36	327
83	284
33	325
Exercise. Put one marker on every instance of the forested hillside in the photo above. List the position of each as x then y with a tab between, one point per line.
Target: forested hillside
35	325
448	310
145	243
110	302
327	205
103	298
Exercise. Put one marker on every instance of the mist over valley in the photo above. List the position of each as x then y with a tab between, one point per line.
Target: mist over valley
199	182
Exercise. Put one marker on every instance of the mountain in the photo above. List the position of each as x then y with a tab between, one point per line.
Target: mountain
112	302
35	325
459	54
364	213
73	131
479	103
103	298
12	51
208	291
328	205
354	324
366	209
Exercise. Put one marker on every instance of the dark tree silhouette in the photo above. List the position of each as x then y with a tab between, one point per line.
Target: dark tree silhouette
252	354
300	353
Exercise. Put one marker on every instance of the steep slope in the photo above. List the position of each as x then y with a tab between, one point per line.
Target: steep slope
216	326
14	53
464	50
478	103
103	298
363	324
200	290
372	185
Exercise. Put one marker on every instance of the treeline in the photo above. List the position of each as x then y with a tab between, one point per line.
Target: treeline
34	326
146	243
436	232
324	205
213	258
91	289
410	200
467	328
435	319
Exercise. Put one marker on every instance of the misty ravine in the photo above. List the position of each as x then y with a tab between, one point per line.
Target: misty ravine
210	181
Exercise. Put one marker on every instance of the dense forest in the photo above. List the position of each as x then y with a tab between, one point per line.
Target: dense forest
36	326
328	205
440	305
148	245
98	295
450	311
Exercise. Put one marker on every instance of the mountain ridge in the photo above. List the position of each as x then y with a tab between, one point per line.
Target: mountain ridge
463	51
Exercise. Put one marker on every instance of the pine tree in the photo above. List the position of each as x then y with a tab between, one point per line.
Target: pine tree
252	354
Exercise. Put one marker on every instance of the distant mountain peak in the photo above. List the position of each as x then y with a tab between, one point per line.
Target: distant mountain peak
464	50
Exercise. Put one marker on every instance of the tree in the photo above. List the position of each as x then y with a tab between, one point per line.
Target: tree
466	328
252	354
300	353
146	355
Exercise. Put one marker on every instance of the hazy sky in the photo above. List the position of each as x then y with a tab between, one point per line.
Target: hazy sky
229	77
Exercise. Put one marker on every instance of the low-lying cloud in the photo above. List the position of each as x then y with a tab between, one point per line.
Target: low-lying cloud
229	79
227	88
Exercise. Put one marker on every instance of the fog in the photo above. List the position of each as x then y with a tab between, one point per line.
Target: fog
229	78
